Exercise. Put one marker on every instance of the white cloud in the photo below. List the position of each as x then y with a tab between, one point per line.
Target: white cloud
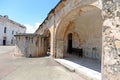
30	28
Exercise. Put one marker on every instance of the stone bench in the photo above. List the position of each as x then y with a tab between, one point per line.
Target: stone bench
77	50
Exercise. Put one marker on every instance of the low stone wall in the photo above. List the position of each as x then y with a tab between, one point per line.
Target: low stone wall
30	45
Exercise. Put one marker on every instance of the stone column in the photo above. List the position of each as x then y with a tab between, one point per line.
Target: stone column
59	49
111	40
53	38
52	41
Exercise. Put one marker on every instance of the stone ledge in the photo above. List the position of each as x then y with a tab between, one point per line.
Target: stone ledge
84	72
70	68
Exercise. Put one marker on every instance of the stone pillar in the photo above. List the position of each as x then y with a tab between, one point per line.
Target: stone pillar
111	40
52	41
59	49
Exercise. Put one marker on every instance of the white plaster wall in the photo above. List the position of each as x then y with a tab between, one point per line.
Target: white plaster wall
10	26
1	32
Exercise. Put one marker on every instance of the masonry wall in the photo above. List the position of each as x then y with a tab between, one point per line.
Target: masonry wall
111	40
30	46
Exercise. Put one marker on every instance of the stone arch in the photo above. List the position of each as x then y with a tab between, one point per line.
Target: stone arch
83	21
77	11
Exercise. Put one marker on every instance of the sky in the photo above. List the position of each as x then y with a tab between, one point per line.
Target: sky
30	13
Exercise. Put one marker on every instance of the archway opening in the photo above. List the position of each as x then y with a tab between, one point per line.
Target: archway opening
85	24
48	40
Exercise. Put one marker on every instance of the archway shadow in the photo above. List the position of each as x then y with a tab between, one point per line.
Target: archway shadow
90	63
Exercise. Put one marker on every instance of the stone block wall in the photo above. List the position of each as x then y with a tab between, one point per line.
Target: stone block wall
30	45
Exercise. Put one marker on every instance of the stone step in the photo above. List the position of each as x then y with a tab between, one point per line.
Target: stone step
85	72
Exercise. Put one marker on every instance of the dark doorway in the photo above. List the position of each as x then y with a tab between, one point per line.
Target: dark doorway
69	50
4	42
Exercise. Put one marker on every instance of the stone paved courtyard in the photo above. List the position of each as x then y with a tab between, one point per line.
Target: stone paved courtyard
14	68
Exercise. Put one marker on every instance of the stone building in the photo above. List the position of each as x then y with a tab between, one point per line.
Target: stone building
9	28
89	27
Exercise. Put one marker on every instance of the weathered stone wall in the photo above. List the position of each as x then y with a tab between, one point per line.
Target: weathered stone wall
30	45
111	40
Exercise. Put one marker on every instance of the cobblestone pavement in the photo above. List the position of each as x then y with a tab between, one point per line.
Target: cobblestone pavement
14	68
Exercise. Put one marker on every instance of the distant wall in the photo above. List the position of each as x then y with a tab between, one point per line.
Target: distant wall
12	28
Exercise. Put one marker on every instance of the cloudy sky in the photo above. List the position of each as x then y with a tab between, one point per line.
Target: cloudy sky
30	13
31	28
